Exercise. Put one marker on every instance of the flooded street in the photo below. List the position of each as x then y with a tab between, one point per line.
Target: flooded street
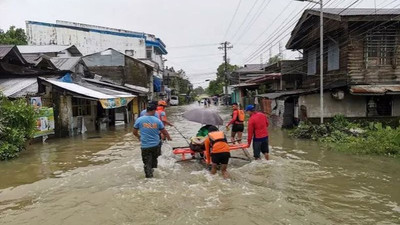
99	179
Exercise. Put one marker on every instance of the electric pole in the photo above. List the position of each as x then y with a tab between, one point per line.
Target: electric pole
225	46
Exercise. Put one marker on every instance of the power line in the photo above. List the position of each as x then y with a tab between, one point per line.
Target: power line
233	18
254	19
244	20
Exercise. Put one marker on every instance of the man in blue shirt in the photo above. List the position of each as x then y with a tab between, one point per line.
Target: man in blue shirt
150	128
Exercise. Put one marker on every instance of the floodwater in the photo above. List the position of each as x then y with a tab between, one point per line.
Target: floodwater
99	179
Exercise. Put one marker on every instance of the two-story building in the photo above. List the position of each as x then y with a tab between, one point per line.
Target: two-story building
361	63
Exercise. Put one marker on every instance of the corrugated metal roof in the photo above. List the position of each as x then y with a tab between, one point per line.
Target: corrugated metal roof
4	50
265	77
251	68
360	11
40	49
139	89
65	63
90	91
11	86
374	89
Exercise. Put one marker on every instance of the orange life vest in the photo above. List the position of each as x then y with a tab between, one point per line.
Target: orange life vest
159	111
218	142
240	115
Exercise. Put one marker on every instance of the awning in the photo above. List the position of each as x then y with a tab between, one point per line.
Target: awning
275	95
108	98
375	89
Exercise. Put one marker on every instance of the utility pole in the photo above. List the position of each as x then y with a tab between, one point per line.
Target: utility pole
225	46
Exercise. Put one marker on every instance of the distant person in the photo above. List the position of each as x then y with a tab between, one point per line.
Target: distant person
205	103
217	151
150	128
237	123
258	132
198	101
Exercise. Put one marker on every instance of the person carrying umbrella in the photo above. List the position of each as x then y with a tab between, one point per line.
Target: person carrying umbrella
257	132
217	151
150	128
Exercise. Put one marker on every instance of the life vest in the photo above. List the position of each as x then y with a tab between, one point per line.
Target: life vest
217	136
240	115
159	111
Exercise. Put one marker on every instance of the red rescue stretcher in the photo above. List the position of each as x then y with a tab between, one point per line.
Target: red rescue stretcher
186	150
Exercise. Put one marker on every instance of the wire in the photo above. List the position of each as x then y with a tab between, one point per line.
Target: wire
244	20
233	18
254	19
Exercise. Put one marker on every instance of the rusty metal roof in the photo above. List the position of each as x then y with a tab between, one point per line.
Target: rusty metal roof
375	89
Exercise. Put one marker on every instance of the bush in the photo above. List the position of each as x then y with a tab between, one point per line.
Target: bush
17	125
343	135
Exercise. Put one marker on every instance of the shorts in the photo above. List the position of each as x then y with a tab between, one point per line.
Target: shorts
220	158
260	147
237	128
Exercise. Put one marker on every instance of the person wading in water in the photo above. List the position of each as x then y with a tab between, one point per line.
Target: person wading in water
150	128
237	121
217	151
258	132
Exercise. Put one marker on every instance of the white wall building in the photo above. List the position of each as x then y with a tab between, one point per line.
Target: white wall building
90	39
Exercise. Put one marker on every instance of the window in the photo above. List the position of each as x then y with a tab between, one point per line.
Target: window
81	107
312	62
380	46
333	56
149	51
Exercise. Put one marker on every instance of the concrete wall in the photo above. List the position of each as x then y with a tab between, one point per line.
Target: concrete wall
86	41
350	106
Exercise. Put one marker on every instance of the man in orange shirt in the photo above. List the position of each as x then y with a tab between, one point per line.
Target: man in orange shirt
217	151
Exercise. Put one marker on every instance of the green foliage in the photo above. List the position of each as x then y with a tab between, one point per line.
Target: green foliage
343	135
13	36
17	125
216	87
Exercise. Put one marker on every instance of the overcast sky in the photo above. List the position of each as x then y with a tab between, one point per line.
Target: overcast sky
191	29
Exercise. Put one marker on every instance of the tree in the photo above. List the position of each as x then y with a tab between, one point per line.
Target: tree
274	59
17	125
199	91
216	87
13	36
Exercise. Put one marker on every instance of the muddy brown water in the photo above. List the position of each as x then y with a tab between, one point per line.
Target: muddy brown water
98	179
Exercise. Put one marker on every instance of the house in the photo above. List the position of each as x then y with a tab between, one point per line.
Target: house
91	39
120	69
361	64
80	106
18	76
258	79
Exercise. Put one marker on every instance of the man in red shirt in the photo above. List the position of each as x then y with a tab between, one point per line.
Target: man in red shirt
258	132
237	121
